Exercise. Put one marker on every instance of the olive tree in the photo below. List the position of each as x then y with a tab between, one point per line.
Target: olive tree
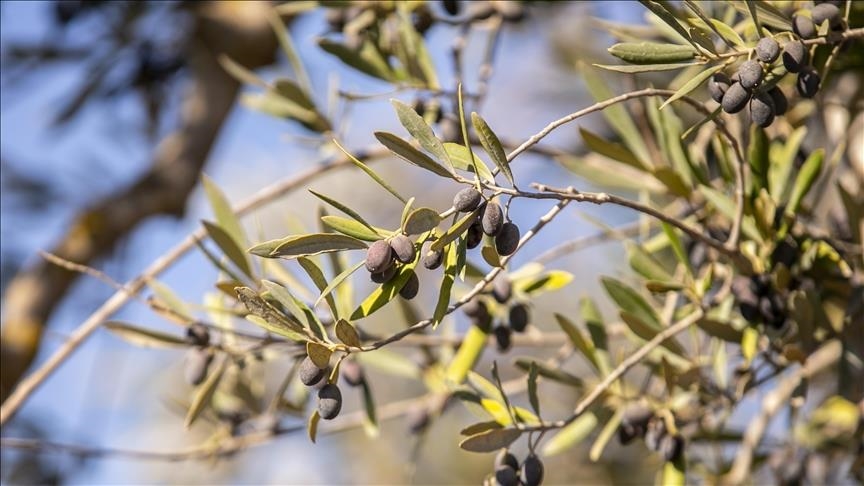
745	167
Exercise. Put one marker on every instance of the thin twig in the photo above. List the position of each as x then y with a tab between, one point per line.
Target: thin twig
631	361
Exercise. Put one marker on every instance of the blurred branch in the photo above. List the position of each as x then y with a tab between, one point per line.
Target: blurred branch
824	357
33	294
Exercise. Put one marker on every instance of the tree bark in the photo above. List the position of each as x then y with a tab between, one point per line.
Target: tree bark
239	30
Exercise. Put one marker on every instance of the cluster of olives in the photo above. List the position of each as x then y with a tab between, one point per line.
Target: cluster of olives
383	257
759	301
329	395
517	319
199	356
748	86
640	421
508	471
490	221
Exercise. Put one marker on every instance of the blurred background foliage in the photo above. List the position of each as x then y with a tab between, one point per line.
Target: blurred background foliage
112	110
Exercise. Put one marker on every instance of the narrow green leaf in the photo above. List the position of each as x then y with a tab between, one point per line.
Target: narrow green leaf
691	85
229	247
320	280
338	280
571	435
629	300
667	16
479	427
578	340
353	228
204	393
408	153
451	259
461	158
532	388
464	125
720	330
375	177
806	177
384	293
725	206
347	334
544	282
609	149
241	73
467	356
555	374
140	336
367	60
306	245
644	68
319	354
392	363
604	172
170	300
492	146
605	435
297	308
674	473
616	115
456	230
645	264
312	426
420	221
270	319
370	422
224	213
677	246
342	207
421	131
651	52
491	440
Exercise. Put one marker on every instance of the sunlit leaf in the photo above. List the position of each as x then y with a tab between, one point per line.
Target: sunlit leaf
421	131
140	336
629	300
571	435
408	153
306	245
490	440
460	157
204	393
352	228
492	146
375	177
421	220
228	246
467	356
651	52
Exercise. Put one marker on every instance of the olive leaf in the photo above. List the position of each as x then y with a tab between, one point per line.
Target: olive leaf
408	153
140	336
492	146
490	440
306	245
371	173
204	393
421	131
347	334
571	434
421	220
651	52
353	228
228	246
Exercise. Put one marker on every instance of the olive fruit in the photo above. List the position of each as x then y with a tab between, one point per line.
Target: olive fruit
433	259
781	104
451	6
803	26
826	11
808	83
467	200
795	56
718	85
518	317
506	458
484	323
310	373
474	235
352	372
636	417
508	239
198	334
767	49
506	476
384	276
197	363
379	257
751	74
329	401
503	337
502	289
671	447
493	219
403	249
762	110
531	472
411	287
475	308
735	99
